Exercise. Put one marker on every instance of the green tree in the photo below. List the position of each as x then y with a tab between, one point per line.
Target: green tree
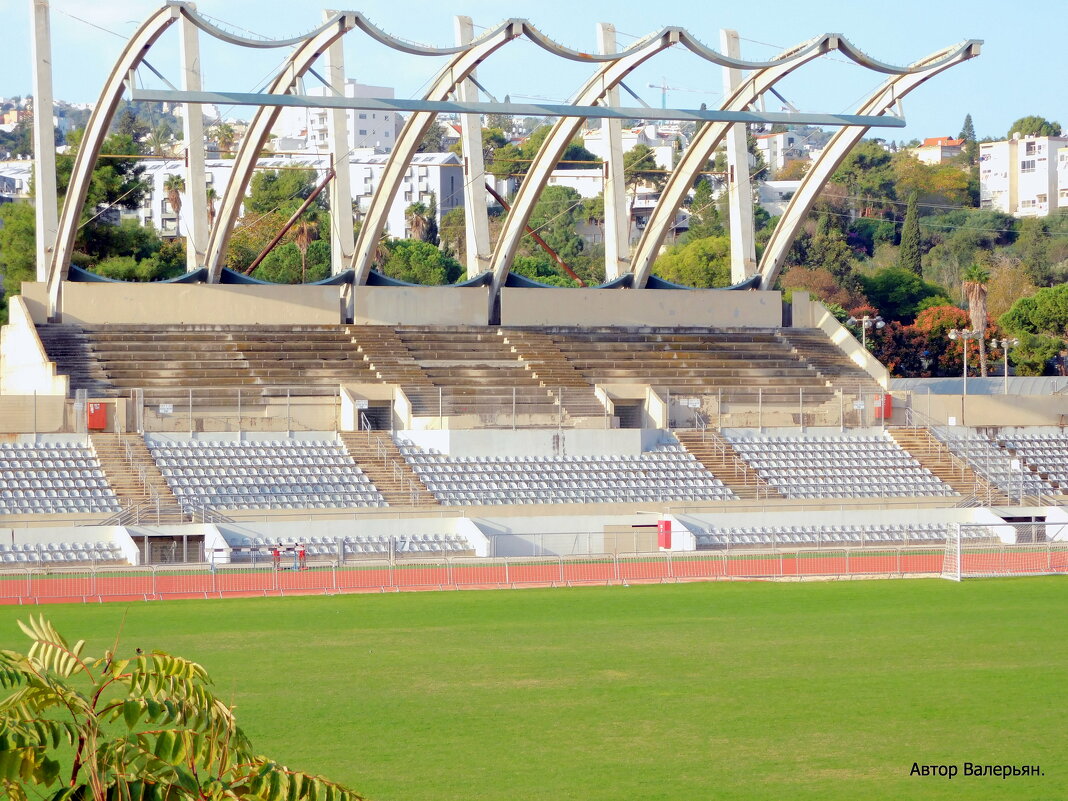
542	269
453	232
225	137
555	218
212	198
971	144
18	254
829	250
512	161
281	190
705	219
116	179
899	294
145	726
909	256
1045	312
641	170
174	185
700	263
433	140
419	262
868	175
1033	247
1033	125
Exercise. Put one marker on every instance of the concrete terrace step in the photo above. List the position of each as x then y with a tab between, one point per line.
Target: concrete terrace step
378	457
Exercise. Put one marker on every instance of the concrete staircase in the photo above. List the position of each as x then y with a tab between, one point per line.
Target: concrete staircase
947	466
133	475
721	460
548	364
378	457
816	348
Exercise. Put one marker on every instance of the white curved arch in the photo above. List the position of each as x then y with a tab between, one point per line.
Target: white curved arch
708	139
95	132
407	142
705	142
556	143
881	101
255	138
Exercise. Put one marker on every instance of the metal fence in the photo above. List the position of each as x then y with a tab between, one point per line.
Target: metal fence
33	586
36	586
232	409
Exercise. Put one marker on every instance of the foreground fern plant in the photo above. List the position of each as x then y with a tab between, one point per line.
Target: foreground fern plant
147	728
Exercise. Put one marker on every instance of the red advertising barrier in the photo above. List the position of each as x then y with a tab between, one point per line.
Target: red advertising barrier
36	586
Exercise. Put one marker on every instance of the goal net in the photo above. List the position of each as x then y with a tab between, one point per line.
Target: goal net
1007	549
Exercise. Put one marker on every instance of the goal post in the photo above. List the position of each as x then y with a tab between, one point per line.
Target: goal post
978	550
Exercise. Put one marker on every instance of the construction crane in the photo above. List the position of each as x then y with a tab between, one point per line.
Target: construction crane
665	88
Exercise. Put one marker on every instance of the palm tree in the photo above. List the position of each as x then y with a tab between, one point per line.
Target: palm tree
212	197
174	185
417	216
144	727
974	290
305	233
159	140
224	136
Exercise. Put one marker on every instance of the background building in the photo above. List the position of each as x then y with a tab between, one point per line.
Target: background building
1024	176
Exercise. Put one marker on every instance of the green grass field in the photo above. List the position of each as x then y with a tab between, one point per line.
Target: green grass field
699	691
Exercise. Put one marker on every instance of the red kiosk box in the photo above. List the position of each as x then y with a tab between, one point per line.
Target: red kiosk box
663	534
884	406
96	416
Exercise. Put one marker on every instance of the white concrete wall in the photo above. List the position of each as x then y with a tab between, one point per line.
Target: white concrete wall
843	339
93	303
24	365
423	305
627	307
536	442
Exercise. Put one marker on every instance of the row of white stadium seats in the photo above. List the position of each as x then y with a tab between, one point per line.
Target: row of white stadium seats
23	559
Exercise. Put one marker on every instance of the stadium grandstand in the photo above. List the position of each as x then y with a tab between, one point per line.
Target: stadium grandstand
220	421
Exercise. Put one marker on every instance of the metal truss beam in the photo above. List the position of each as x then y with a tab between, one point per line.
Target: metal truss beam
513	109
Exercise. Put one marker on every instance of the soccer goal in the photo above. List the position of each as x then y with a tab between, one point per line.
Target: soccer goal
1005	549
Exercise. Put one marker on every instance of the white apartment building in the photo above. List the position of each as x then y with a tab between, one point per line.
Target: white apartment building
660	138
779	148
308	128
1024	176
938	149
437	176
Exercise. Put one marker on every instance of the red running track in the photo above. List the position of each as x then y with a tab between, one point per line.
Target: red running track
33	587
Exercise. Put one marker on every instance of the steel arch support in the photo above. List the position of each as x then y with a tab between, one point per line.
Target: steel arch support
93	139
702	147
446	81
298	63
565	129
880	102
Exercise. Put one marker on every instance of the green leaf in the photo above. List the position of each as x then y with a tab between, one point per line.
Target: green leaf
164	744
131	711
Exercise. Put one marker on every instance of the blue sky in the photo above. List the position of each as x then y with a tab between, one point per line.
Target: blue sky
1020	71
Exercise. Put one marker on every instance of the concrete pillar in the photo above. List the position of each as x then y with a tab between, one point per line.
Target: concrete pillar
616	213
739	188
475	217
342	240
195	209
44	144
